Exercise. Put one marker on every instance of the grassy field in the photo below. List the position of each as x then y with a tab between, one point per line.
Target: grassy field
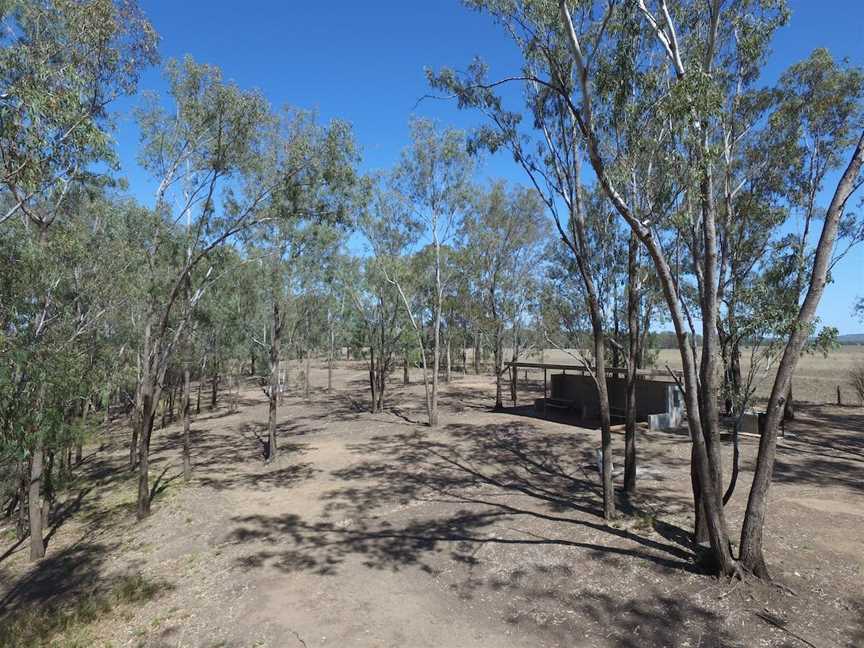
816	377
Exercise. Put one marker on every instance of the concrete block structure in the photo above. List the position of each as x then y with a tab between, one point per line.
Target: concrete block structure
659	401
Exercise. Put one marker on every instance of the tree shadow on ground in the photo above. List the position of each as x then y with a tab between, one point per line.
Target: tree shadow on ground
824	448
69	590
60	513
476	480
272	477
650	618
161	482
60	575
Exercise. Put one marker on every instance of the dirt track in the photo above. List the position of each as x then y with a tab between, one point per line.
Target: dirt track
373	530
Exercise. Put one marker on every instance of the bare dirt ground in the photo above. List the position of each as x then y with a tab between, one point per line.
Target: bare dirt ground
374	530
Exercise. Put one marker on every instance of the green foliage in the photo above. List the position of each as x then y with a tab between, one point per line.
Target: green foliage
62	297
502	257
61	63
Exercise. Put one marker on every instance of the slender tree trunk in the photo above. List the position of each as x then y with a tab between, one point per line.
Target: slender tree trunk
789	405
373	382
580	251
214	392
35	502
275	334
433	411
735	357
632	361
736	461
148	396
79	446
381	379
133	445
477	352
757	504
406	379
235	391
447	360
306	376
47	490
187	393
709	392
330	363
605	423
498	359
143	505
22	525
287	378
164	410
700	523
106	419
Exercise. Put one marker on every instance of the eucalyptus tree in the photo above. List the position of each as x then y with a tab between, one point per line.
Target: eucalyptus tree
504	237
688	61
821	115
335	306
337	323
382	324
643	299
820	107
215	343
209	139
389	297
61	65
316	177
53	348
552	160
433	178
315	290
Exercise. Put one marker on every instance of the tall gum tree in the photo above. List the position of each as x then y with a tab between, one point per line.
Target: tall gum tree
390	286
504	233
61	65
209	142
433	177
314	179
693	46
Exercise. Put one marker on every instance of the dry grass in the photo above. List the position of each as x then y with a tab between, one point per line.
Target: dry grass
816	377
72	625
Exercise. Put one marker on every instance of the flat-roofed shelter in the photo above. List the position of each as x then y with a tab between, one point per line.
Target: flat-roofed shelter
659	401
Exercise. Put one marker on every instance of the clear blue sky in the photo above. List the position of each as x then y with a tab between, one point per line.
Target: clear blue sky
364	61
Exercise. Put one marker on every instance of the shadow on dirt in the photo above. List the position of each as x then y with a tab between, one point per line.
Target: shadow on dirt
478	479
